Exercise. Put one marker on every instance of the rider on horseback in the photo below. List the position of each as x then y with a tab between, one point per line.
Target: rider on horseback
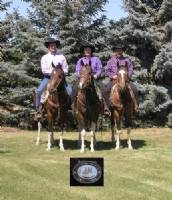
53	56
96	65
112	69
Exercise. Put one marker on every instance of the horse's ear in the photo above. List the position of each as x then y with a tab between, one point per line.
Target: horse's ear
53	65
126	64
82	63
59	65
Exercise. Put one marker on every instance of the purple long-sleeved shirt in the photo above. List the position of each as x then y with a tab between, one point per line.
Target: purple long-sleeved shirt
112	66
96	65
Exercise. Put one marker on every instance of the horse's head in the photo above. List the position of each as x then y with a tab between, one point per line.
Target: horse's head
86	75
57	77
122	77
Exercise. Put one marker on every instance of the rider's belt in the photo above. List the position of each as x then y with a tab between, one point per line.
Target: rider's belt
47	76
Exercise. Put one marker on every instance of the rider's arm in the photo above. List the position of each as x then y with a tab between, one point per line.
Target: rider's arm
78	68
44	68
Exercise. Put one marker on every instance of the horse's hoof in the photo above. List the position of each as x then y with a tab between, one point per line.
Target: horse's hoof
117	148
92	148
82	151
48	149
130	147
37	141
62	149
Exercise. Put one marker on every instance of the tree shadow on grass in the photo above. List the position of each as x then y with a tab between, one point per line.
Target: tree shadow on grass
107	145
104	145
100	145
68	144
4	151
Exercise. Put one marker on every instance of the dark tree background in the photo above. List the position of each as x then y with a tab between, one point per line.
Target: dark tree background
146	33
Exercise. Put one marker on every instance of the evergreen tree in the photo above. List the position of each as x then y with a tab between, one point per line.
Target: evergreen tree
4	5
16	84
73	22
4	29
146	33
162	68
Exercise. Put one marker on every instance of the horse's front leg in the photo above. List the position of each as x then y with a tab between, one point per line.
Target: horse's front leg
79	136
61	139
50	132
128	123
83	132
113	129
52	138
129	138
118	132
117	115
92	133
38	136
52	135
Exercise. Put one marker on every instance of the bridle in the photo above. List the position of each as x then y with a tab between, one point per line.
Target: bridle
56	89
88	78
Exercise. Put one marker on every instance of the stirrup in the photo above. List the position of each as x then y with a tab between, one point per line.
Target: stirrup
37	116
107	113
38	113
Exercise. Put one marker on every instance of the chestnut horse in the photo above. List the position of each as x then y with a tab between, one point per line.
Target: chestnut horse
55	105
87	105
122	105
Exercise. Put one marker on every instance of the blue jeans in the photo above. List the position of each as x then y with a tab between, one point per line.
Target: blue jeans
39	92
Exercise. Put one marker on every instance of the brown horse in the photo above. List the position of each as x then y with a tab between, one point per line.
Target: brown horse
122	104
87	105
55	105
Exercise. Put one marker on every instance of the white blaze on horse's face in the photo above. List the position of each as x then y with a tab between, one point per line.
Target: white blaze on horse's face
122	72
81	84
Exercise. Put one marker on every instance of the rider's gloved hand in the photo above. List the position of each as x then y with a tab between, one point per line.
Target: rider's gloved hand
114	77
95	76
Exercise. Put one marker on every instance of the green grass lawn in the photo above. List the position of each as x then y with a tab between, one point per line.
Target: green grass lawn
29	172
